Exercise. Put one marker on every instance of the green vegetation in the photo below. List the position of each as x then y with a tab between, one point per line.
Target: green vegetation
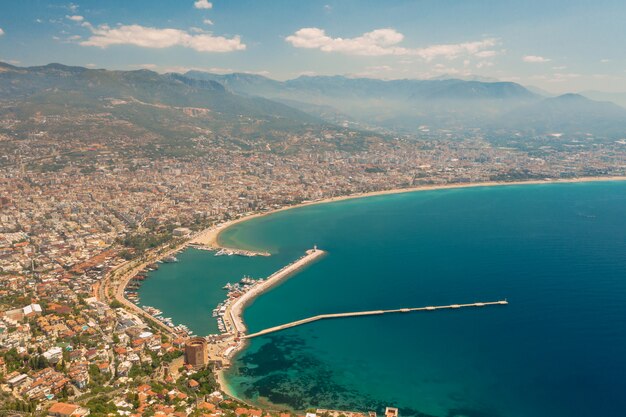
96	377
101	406
206	380
28	407
143	242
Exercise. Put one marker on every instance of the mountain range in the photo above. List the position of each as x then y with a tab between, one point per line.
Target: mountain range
252	103
164	103
407	105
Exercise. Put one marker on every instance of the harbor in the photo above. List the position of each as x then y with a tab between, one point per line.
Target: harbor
129	287
233	314
229	313
227	251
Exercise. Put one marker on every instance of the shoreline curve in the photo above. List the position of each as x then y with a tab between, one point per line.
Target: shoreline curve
210	237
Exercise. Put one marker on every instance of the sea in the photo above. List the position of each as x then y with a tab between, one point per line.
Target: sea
555	252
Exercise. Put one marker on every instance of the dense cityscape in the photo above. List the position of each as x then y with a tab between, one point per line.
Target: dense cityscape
70	216
107	174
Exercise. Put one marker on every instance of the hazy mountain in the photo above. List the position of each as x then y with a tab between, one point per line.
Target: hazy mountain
471	77
540	91
253	103
57	87
446	103
241	83
395	104
617	98
569	113
338	86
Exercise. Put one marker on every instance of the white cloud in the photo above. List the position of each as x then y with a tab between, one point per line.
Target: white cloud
486	54
203	4
381	42
374	71
377	42
535	59
559	76
451	51
75	18
182	69
1	32
149	37
145	66
208	22
605	60
440	69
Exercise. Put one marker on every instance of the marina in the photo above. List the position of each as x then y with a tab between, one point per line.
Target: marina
234	313
228	313
468	349
130	292
227	251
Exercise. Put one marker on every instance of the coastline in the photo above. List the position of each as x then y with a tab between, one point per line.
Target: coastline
210	237
235	312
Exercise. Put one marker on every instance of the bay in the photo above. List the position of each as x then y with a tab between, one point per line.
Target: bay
556	252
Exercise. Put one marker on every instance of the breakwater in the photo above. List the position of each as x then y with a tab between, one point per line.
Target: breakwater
369	313
234	312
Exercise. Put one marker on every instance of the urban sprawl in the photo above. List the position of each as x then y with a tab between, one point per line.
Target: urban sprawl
83	218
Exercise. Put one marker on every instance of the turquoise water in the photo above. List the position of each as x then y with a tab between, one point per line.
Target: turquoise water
556	252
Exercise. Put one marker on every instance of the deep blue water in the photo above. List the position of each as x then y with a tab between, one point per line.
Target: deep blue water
556	252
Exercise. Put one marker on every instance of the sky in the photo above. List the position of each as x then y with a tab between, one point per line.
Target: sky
556	45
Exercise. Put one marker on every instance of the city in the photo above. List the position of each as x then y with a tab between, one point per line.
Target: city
106	174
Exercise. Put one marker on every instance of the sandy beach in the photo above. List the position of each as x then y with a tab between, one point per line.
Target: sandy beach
210	236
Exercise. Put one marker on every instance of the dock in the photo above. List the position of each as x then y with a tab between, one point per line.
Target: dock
370	313
219	250
236	309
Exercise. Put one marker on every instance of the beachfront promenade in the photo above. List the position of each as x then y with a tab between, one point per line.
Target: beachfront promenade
369	313
235	311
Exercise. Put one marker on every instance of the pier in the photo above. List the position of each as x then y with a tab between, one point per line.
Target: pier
227	251
369	313
234	312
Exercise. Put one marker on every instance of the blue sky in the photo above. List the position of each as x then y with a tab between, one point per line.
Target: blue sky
556	45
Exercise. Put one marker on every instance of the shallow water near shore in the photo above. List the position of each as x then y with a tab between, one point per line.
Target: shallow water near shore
556	252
